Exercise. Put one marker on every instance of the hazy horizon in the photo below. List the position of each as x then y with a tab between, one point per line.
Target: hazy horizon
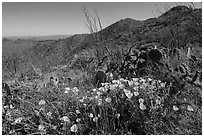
66	18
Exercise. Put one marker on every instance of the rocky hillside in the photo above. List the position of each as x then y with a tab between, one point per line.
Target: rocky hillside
181	23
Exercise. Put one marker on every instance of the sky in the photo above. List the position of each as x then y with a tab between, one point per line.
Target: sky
67	18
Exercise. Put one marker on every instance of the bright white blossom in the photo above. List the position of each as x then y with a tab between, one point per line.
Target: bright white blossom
175	108
108	100
143	86
118	115
142	106
54	127
41	127
158	101
121	86
84	97
91	115
136	93
101	89
113	86
98	93
95	119
123	80
130	83
128	93
142	80
136	88
18	120
74	128
11	106
149	79
189	108
78	120
67	88
65	119
75	90
42	102
99	101
77	111
141	100
49	114
81	100
135	79
115	81
162	85
94	90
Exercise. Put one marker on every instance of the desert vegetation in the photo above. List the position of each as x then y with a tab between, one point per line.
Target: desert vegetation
131	78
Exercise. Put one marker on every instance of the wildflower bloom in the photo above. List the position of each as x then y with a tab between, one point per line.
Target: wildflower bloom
149	79
104	84
75	90
74	128
135	79
95	119
142	106
108	100
99	101
175	108
41	127
142	80
158	101
78	120
101	89
136	93
84	97
77	111
136	88
91	115
94	90
67	88
96	97
115	81
141	100
128	93
113	86
65	119
49	114
162	85
11	106
54	127
118	115
123	80
189	108
98	93
121	86
81	100
42	102
18	120
130	83
143	86
37	112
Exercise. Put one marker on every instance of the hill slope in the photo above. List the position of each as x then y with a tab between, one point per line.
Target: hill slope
179	22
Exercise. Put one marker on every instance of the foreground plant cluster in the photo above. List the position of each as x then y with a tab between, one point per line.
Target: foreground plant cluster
136	106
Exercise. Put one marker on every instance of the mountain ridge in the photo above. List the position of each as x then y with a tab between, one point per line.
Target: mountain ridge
119	35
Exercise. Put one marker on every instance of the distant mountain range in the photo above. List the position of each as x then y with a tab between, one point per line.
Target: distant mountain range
49	37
